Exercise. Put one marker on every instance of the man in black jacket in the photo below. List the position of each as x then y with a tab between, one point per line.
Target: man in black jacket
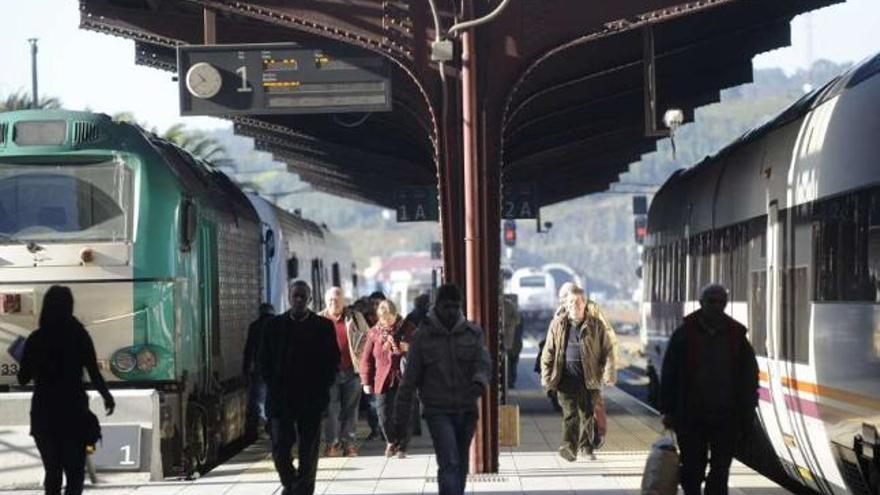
251	368
299	358
708	391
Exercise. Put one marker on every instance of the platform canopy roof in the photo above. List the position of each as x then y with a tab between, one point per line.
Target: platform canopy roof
566	78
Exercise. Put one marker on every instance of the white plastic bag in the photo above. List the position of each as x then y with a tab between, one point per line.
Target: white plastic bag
661	469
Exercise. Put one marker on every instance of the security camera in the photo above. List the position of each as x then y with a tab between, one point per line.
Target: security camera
673	118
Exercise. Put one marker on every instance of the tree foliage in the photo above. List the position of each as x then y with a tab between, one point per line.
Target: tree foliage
21	100
198	143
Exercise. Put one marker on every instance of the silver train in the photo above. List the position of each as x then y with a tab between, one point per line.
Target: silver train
788	218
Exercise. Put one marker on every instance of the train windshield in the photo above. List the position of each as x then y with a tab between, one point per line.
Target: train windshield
64	203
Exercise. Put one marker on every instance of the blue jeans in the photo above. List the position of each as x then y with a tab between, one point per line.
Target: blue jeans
452	434
342	411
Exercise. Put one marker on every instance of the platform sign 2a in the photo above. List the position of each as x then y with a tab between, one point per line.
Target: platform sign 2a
519	201
417	204
281	78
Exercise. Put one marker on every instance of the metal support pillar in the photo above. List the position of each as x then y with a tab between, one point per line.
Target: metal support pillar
210	26
34	94
482	221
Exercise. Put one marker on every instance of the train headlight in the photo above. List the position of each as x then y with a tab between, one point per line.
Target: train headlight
146	360
124	361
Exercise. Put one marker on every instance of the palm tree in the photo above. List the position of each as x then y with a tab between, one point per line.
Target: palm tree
195	142
21	100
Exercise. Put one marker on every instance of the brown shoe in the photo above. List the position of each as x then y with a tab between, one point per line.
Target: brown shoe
332	450
351	451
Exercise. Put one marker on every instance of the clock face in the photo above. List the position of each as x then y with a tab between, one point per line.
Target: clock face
203	80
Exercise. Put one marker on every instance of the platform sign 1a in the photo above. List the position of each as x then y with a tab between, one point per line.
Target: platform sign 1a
417	204
281	78
519	201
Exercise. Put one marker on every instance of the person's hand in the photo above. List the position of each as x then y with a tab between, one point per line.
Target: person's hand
404	347
368	390
109	405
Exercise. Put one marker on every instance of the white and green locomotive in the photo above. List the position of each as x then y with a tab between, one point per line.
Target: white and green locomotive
168	261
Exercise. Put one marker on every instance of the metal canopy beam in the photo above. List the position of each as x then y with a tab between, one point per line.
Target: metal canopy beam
542	85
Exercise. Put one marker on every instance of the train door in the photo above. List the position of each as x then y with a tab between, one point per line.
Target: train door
209	298
783	416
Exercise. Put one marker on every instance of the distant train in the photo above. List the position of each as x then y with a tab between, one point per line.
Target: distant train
168	261
788	218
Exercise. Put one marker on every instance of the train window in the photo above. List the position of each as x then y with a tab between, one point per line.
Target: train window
842	228
757	312
65	202
188	223
270	244
293	268
794	340
337	278
317	285
739	269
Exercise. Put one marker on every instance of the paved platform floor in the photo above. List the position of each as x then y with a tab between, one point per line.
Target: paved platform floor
532	467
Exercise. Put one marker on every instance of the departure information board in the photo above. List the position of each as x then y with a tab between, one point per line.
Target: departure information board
281	78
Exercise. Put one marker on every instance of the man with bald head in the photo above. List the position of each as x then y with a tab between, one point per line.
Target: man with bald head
708	391
342	413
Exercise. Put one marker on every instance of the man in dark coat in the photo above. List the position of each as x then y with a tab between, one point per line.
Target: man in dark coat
449	366
252	372
299	359
708	391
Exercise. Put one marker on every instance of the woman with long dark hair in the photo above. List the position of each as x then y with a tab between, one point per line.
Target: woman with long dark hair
54	357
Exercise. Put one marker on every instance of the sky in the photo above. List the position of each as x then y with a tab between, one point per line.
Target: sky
87	69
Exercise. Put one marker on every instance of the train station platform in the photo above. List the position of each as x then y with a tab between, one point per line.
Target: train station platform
532	467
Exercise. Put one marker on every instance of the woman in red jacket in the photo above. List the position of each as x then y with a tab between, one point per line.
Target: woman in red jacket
381	373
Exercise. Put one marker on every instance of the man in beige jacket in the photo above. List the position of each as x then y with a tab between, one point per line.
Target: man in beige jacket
573	363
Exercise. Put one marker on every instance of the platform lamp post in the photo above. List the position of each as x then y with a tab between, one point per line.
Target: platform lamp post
36	99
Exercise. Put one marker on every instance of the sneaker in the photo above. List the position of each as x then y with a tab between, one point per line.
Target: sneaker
401	454
351	451
390	450
567	454
332	450
588	453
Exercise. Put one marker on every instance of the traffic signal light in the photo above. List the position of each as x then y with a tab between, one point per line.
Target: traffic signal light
641	228
640	205
509	233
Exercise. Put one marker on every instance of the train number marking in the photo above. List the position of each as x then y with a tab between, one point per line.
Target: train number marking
8	369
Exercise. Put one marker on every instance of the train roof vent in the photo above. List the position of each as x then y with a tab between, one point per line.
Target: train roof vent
4	129
86	133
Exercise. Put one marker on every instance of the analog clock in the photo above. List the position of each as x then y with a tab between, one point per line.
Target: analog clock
203	80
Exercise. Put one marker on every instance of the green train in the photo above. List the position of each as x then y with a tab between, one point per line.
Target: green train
168	261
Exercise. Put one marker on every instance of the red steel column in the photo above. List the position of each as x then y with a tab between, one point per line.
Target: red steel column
482	210
472	228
